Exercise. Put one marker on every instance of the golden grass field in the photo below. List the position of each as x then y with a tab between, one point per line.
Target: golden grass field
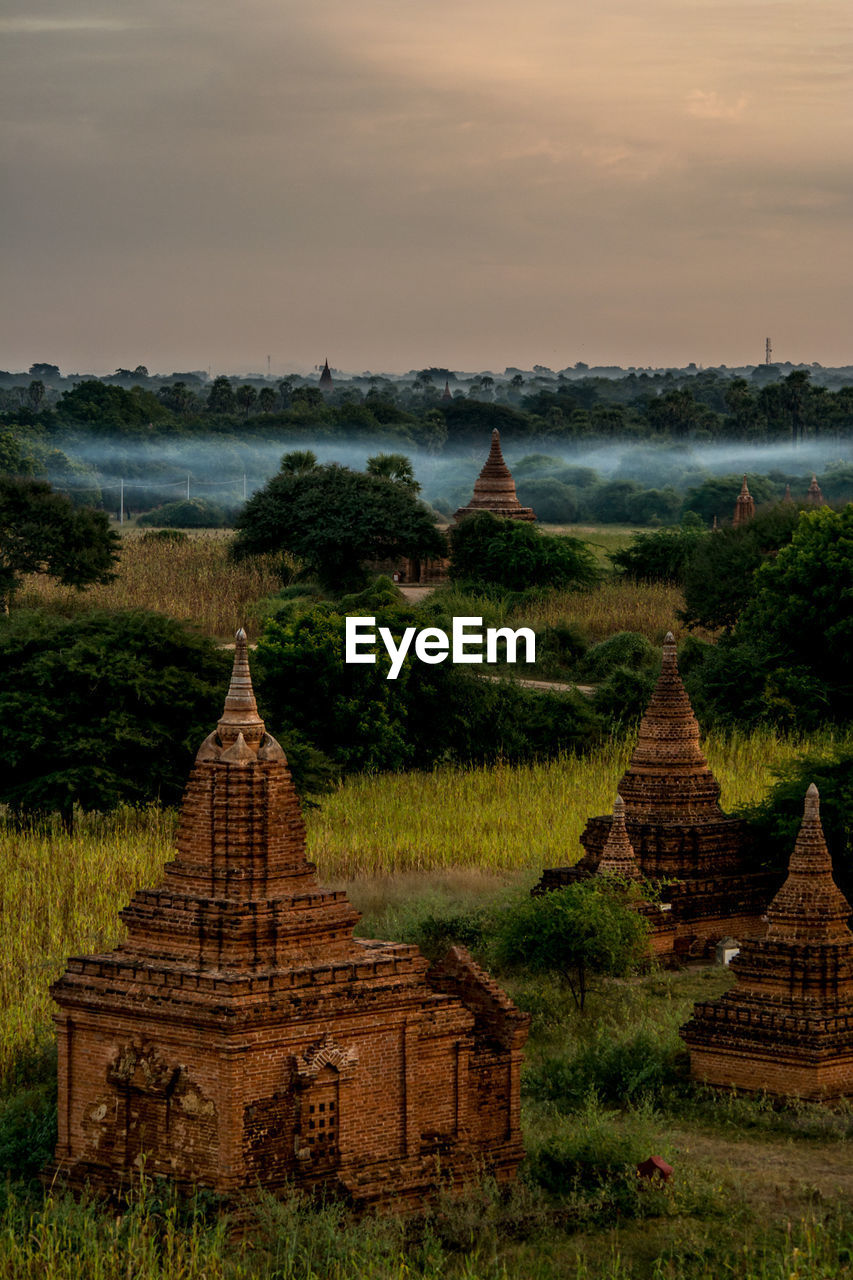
193	581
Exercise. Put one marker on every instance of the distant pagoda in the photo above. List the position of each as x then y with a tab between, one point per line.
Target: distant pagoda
326	383
786	1027
676	828
446	393
494	489
814	495
744	506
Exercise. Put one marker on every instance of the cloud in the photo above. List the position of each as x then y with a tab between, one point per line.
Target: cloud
710	106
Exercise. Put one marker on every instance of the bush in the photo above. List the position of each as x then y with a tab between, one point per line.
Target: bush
165	535
622	697
189	513
639	1068
583	929
628	649
658	557
515	555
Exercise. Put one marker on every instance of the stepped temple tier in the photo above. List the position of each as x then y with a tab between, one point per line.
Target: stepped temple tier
677	830
786	1027
241	1035
494	489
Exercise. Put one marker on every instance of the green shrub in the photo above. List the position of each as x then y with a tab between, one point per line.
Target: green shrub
165	535
659	557
627	649
580	930
514	554
189	513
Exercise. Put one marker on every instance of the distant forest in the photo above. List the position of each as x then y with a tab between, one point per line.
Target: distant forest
92	435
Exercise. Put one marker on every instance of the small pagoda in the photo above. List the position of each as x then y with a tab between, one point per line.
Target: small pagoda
744	506
786	1027
494	489
676	828
326	384
241	1036
619	862
814	496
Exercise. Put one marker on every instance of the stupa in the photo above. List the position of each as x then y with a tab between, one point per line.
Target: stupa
814	495
618	861
241	1036
326	384
786	1027
744	506
494	489
677	829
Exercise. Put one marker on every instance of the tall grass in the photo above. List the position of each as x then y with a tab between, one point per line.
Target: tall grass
60	894
650	608
191	580
504	817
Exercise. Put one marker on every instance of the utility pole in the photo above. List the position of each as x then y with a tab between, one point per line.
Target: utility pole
244	486
188	486
121	502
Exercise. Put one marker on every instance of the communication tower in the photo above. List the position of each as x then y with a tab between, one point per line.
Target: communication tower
768	351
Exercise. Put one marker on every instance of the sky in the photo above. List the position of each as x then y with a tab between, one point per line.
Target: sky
402	183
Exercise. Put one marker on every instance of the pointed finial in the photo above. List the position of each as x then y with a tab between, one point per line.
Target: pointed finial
241	709
811	808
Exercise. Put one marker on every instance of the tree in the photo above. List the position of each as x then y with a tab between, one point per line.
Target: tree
246	395
102	709
585	928
395	467
220	397
336	520
719	576
515	555
41	532
266	399
297	461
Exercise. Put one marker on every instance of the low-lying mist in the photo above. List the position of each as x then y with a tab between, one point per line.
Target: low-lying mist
555	474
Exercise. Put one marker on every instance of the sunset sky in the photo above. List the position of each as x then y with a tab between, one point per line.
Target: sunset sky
400	183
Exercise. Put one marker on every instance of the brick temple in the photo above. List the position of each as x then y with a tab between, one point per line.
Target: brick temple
494	489
677	830
786	1027
744	506
241	1035
619	861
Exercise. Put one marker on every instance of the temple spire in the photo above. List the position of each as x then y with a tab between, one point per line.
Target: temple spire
668	774
241	710
745	506
618	856
814	495
809	907
494	488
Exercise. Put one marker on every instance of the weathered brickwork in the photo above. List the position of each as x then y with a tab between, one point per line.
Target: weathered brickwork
494	489
786	1027
744	506
241	1035
677	831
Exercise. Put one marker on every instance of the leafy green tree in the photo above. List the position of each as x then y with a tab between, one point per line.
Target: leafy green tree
335	521
110	409
661	556
103	709
515	555
41	532
719	577
266	399
774	822
584	929
801	615
395	467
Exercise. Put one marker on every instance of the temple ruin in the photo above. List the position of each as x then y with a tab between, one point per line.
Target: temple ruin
814	496
677	830
494	489
241	1036
786	1027
744	506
